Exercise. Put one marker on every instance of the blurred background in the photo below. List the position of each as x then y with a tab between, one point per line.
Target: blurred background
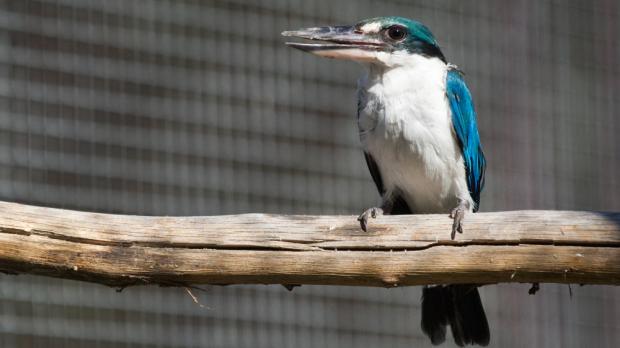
188	107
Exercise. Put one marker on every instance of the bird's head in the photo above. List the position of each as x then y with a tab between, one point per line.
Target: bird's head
382	40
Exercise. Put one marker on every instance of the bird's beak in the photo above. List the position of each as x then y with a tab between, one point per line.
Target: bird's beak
340	42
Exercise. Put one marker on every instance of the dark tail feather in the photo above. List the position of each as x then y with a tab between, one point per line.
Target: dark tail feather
435	304
458	306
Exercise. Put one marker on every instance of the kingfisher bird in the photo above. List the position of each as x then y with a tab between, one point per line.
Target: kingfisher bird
417	126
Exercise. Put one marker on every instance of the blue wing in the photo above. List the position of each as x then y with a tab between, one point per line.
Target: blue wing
466	129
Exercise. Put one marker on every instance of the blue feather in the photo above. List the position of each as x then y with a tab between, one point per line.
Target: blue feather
466	129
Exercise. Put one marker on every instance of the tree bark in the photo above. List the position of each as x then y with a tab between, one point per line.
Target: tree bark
122	250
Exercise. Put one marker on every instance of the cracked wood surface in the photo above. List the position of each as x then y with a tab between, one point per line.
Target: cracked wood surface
121	250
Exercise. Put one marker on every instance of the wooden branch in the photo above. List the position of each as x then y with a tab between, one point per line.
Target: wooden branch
121	250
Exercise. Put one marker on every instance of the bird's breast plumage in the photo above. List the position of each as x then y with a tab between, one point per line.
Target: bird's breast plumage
404	122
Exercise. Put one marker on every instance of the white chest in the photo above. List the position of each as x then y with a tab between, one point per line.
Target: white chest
405	125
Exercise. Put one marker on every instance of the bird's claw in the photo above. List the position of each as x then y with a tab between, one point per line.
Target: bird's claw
372	212
457	215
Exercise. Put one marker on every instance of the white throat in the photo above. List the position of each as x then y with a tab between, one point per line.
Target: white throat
405	125
407	89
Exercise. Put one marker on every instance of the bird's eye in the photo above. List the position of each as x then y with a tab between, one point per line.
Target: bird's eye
396	32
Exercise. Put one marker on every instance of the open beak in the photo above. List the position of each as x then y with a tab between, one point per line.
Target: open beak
340	42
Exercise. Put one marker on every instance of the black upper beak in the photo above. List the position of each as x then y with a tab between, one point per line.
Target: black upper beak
334	38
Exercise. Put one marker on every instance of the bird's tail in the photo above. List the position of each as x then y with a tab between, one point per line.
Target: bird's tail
458	306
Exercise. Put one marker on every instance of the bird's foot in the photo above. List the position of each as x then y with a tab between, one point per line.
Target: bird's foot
372	212
457	215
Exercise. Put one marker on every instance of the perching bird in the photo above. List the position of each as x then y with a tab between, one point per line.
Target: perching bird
418	129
